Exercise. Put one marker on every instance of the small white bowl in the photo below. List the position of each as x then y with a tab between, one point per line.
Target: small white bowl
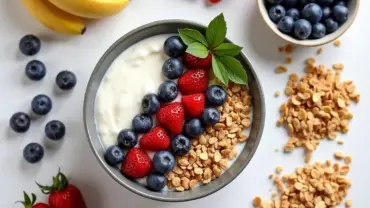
353	6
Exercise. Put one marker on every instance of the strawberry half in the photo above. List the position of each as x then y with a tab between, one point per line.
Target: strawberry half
171	117
136	164
193	81
193	104
156	139
193	62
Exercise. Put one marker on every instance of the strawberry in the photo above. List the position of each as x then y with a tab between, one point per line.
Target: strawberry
156	139
172	117
193	104
62	194
30	202
193	62
193	81
136	164
214	1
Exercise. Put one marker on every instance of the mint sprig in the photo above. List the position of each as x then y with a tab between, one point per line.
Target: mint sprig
224	65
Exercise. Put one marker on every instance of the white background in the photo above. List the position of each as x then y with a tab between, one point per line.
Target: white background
80	54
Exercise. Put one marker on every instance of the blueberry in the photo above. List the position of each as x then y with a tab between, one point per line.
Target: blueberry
302	29
325	2
66	80
174	47
156	182
180	145
318	30
340	13
193	127
172	68
20	122
290	3
312	12
35	70
142	123
163	161
293	13
127	138
150	104
216	95
276	13
114	155
33	152
326	13
286	24
274	1
342	3
55	130
210	116
167	91
41	104
331	25
30	45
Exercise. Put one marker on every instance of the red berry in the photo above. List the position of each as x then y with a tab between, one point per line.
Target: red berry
192	62
172	117
193	81
40	205
156	139
136	164
214	1
193	104
29	202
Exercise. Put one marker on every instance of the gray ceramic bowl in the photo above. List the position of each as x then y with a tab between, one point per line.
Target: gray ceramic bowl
152	29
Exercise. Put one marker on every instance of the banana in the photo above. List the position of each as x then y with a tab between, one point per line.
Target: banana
93	9
54	18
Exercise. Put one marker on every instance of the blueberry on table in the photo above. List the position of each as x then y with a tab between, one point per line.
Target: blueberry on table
20	122
276	13
167	91
326	13
35	70
312	12
33	152
286	24
41	104
216	95
180	145
211	116
172	68
318	30
127	138
325	2
114	155
302	29
55	130
194	127
30	45
163	161
66	80
142	123
156	181
290	3
340	13
274	1
174	47
293	13
150	104
331	25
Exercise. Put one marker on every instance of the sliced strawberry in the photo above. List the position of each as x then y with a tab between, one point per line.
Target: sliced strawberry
156	139
193	104
193	62
136	164
193	81
172	117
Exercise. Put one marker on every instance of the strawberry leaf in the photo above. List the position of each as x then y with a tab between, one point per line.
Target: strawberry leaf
190	36
227	49
235	69
216	31
219	70
198	50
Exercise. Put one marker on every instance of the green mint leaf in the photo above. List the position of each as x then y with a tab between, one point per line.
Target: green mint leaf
235	69
227	49
198	50
219	70
216	31
190	36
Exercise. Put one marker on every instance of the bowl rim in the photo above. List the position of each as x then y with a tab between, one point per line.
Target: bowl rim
95	151
310	43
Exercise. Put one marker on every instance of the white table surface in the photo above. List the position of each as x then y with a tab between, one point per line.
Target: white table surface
80	54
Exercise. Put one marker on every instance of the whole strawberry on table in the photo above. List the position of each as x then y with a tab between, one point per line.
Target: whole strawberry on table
31	202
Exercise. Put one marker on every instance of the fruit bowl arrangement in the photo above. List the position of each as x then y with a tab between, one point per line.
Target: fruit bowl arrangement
309	22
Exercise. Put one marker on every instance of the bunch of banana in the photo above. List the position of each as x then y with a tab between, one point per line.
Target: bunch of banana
65	16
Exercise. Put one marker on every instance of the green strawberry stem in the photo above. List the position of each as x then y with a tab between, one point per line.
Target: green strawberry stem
60	182
28	202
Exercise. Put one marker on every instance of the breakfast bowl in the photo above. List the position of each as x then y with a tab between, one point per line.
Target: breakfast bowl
99	143
321	38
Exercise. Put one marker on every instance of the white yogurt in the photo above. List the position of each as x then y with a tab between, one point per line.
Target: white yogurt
135	73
